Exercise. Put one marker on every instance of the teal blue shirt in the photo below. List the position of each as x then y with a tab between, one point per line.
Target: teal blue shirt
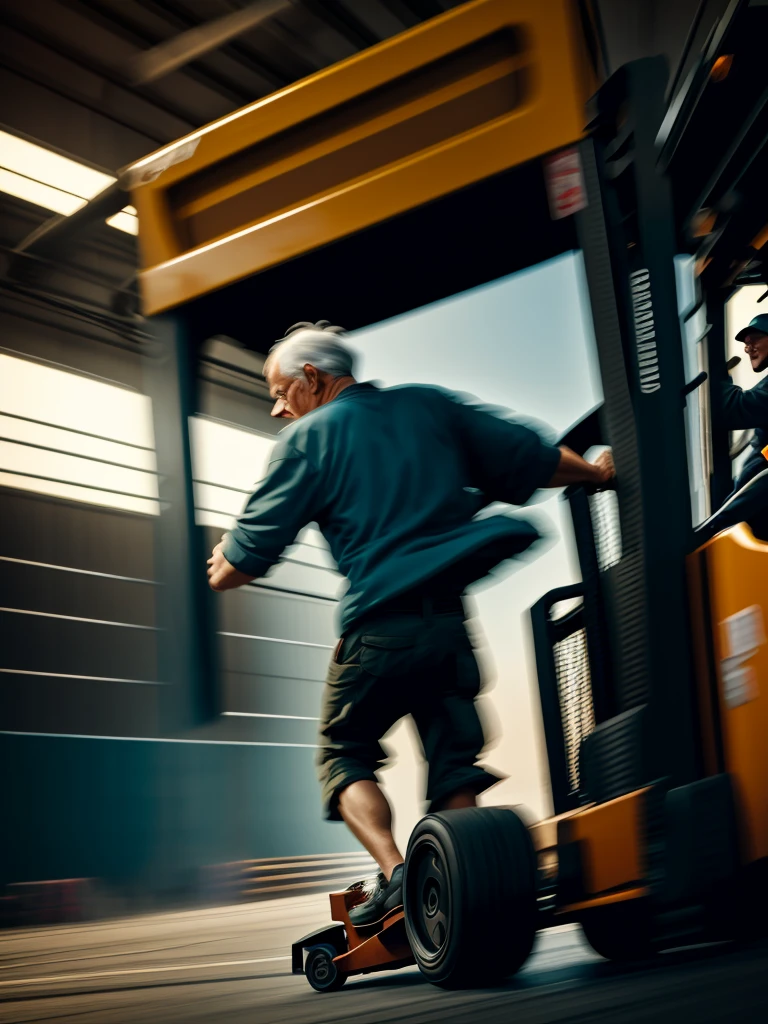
394	478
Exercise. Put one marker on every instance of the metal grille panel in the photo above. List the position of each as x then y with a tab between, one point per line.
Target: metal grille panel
574	687
606	526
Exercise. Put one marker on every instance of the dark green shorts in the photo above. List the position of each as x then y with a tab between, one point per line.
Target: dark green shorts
389	667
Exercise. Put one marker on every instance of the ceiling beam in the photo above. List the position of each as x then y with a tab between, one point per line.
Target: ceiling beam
168	56
104	49
73	81
229	62
53	233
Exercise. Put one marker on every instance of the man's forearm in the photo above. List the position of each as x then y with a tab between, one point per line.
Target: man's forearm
575	470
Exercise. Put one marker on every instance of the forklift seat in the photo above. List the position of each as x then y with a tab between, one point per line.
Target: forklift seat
749	504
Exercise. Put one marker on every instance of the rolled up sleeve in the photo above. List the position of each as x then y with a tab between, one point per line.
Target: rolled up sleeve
282	504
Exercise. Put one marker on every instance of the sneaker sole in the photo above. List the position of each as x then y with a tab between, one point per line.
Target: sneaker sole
379	920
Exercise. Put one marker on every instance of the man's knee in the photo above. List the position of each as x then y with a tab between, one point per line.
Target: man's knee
458	800
457	787
337	774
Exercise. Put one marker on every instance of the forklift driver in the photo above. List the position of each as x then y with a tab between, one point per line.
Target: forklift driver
394	478
745	410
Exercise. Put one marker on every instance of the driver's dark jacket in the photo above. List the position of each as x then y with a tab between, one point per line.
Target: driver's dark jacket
394	478
745	410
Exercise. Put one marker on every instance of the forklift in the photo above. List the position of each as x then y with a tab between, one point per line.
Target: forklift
484	141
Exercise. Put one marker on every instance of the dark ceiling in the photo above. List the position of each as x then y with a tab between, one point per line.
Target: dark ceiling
73	79
56	55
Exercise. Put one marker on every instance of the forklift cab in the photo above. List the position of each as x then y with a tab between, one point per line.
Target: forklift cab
444	158
653	687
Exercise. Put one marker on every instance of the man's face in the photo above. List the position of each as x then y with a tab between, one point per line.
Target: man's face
293	397
756	347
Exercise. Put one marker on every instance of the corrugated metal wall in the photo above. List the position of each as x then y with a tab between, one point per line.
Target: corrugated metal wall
97	781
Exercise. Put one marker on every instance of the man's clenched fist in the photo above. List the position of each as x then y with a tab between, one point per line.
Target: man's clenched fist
605	467
222	575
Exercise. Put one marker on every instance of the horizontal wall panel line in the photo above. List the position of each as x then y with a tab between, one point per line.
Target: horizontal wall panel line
293	593
273	640
262	677
69	675
224	487
216	511
263	714
73	483
76	455
78	618
73	430
284	558
82	572
155	739
310	565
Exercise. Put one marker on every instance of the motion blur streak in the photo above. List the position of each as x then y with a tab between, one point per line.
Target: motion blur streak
229	964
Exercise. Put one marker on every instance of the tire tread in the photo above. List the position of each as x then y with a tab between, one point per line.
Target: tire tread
493	895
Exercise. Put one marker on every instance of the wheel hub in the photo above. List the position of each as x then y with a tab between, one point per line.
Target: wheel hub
429	893
322	970
432	898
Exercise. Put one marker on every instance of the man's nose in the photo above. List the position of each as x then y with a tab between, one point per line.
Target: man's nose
279	408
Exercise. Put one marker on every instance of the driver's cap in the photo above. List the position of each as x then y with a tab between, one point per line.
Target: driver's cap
759	323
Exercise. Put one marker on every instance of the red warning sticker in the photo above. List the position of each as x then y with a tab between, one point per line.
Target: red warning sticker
565	183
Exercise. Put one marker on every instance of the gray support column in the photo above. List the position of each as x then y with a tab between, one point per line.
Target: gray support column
185	611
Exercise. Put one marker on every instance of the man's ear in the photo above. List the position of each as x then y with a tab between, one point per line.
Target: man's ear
313	377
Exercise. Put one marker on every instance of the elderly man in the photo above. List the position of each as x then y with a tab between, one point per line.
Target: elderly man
746	410
394	478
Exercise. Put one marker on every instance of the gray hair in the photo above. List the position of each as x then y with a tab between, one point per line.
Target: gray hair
318	348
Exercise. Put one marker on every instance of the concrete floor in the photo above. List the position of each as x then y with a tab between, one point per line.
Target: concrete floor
232	964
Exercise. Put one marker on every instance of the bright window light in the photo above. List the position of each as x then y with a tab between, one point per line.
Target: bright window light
39	194
46	417
125	221
42	165
55	182
86	440
227	463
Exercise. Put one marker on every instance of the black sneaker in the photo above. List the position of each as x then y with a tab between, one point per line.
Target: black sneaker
386	896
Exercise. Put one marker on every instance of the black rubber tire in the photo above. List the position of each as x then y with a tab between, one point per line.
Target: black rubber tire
322	973
620	931
470	896
743	920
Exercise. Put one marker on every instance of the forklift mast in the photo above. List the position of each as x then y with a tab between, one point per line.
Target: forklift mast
670	179
631	546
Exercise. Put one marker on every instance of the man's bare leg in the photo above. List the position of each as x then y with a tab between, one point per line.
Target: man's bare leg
457	801
368	816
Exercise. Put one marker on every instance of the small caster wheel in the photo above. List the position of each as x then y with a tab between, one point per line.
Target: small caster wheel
322	973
